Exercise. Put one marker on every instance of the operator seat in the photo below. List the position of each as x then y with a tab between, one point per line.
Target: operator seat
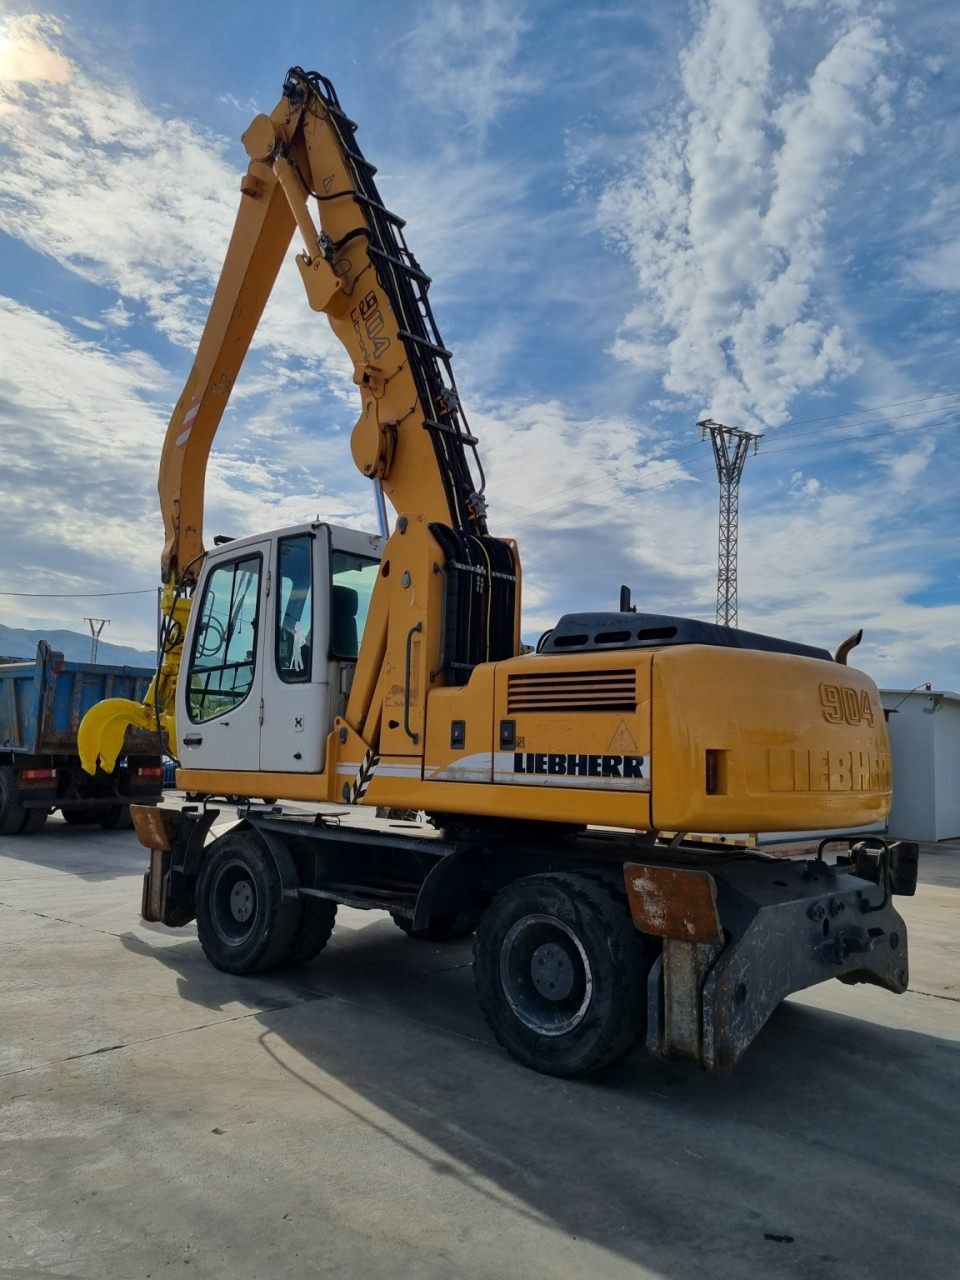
344	640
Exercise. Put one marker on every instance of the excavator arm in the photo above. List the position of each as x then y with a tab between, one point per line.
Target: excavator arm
357	269
411	435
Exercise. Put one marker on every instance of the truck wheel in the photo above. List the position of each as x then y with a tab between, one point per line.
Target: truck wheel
115	817
458	924
80	817
316	926
12	812
243	921
33	821
561	972
397	815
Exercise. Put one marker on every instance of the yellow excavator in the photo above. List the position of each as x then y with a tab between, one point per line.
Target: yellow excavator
319	663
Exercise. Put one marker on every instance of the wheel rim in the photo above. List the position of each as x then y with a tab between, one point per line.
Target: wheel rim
234	903
545	975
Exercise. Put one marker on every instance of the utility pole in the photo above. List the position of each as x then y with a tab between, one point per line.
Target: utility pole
730	447
96	626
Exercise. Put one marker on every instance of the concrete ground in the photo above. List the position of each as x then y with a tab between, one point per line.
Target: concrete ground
355	1118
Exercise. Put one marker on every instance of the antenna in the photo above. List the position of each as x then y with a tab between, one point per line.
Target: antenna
96	626
730	446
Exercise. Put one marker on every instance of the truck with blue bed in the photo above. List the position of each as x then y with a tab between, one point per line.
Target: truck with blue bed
41	706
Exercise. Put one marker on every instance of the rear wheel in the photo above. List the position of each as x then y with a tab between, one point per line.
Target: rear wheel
33	821
12	812
80	817
398	815
561	972
115	818
316	926
244	923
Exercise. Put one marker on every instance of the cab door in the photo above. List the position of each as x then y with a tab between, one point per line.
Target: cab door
218	704
296	692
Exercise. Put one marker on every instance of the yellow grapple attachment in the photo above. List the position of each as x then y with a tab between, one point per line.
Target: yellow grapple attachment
103	728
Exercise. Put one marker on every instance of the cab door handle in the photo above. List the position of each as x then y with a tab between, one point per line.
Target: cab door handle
193	740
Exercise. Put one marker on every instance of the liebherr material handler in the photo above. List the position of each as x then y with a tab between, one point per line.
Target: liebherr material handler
318	663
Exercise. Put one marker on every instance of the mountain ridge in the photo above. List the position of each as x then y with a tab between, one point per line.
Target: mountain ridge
21	643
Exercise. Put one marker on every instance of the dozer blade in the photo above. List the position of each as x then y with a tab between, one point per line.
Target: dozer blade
104	727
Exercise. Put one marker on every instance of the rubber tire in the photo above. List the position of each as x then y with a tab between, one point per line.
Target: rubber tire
115	817
611	1015
33	821
80	817
12	812
458	924
274	922
397	815
316	926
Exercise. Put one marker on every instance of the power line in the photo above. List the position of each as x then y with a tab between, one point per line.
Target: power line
76	595
531	514
873	435
533	506
897	417
873	408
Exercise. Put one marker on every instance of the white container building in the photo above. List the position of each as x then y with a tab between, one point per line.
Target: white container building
924	726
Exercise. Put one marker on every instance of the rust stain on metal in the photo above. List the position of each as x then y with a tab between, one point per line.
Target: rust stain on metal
673	903
155	828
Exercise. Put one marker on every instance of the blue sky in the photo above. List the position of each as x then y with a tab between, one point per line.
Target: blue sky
634	217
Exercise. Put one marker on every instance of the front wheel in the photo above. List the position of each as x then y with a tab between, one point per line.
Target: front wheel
12	812
561	972
243	921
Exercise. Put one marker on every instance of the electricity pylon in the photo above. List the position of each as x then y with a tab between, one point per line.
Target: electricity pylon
96	626
730	446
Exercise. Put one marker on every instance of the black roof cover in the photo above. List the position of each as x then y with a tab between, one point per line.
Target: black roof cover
590	632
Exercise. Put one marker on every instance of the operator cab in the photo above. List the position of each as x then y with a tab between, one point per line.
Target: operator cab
272	646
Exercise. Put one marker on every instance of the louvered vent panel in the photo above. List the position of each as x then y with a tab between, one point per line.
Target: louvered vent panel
572	691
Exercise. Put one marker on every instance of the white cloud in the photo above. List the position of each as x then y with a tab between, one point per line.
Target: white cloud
118	196
460	58
729	223
725	221
79	440
26	57
936	266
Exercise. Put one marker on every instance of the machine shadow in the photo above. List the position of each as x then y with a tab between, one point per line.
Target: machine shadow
90	853
651	1160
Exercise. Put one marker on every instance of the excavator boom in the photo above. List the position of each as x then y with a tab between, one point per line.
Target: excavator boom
356	267
411	437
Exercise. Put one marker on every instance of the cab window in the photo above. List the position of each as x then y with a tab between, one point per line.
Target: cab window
294	635
353	578
225	642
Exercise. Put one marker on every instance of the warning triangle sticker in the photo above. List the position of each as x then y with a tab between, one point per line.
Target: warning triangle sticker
622	742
